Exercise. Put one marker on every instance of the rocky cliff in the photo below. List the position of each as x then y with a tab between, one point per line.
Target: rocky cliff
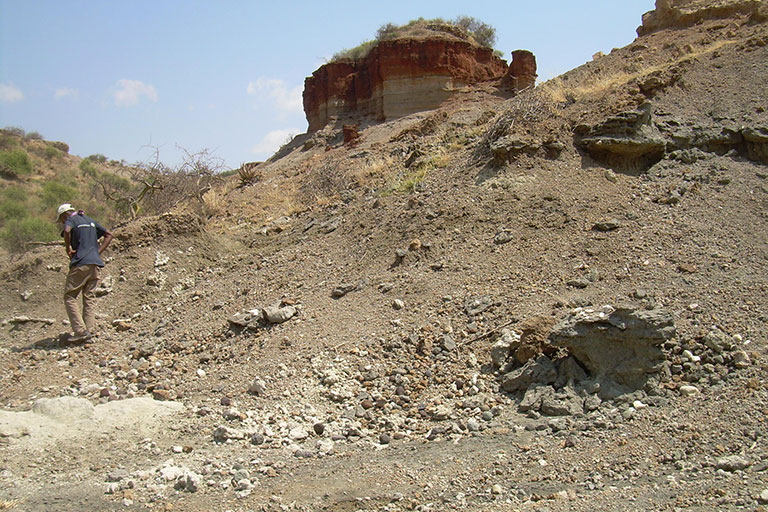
686	13
403	76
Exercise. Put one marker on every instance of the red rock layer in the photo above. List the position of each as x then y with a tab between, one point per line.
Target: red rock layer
378	86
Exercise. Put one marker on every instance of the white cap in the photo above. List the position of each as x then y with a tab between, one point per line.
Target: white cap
64	208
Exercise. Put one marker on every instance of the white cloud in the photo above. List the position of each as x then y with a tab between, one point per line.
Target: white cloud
273	140
284	98
130	92
65	93
9	93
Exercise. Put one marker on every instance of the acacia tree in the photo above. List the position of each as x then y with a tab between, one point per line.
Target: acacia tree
152	187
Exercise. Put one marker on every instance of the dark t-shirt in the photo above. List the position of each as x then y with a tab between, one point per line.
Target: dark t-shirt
85	233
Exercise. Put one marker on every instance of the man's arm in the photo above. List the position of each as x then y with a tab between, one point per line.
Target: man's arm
68	242
105	242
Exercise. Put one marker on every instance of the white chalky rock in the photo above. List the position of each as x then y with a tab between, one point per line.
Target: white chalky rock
688	390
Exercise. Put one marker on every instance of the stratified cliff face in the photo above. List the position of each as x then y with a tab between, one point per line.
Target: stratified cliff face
395	79
686	13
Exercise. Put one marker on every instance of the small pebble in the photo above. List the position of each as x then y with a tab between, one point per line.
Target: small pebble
688	390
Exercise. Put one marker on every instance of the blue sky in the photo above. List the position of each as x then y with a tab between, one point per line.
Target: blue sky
114	77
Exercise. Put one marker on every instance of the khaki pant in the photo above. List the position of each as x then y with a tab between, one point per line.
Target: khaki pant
85	279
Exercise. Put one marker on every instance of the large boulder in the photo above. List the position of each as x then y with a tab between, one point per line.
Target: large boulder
619	346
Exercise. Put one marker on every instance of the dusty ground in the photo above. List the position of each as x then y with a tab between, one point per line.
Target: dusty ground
406	425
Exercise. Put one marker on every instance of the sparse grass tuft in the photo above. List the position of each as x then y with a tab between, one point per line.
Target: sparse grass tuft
558	92
248	174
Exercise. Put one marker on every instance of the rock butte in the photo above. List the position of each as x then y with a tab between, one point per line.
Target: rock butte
404	76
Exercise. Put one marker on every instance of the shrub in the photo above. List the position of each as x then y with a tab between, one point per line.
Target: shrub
51	152
55	193
15	130
356	53
248	174
8	141
98	157
465	27
33	136
87	168
18	232
11	209
61	146
483	34
16	160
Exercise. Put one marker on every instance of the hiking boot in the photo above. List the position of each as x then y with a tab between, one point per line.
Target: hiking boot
80	339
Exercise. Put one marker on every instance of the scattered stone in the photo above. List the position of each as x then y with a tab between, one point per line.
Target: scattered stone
277	314
319	428
741	360
503	237
223	433
448	344
504	346
606	225
732	463
26	320
476	305
579	283
161	259
540	370
298	434
384	438
247	319
122	324
162	394
257	388
398	304
344	289
563	403
763	498
688	390
257	439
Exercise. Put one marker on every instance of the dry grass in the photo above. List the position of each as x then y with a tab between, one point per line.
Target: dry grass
279	199
409	181
8	505
213	202
372	172
559	92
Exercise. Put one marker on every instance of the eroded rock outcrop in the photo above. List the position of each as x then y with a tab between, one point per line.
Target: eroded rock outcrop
403	76
686	13
628	140
616	345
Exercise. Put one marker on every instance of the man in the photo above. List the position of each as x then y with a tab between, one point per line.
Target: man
81	241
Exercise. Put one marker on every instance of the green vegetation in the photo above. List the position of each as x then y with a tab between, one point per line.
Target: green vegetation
54	194
18	232
98	157
51	152
463	27
17	160
36	176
